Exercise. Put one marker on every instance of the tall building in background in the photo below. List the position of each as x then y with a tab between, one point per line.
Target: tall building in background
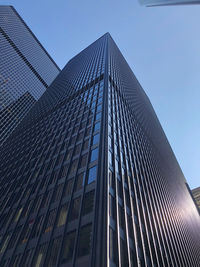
89	179
150	3
196	195
26	70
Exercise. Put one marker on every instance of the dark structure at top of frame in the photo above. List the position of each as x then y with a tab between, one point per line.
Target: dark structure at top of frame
151	3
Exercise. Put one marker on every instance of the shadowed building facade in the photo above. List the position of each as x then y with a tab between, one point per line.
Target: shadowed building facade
26	70
89	179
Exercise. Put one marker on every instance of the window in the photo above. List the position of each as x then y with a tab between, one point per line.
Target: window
87	131
62	215
77	150
94	154
64	171
99	108
19	211
27	258
39	259
50	221
113	245
68	247
69	153
4	244
14	237
84	242
88	203
95	139
73	166
80	136
37	226
92	174
97	126
121	217
124	255
83	161
68	189
57	193
85	144
37	204
112	209
79	182
47	198
26	232
75	209
52	258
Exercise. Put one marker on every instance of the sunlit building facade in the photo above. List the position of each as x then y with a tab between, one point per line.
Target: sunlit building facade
89	179
26	70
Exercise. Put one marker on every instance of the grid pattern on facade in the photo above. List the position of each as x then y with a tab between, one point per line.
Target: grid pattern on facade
56	182
84	184
146	220
48	215
23	77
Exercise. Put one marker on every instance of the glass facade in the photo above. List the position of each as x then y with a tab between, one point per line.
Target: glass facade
26	70
84	181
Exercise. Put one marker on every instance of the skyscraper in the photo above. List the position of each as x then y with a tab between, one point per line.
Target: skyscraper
150	3
26	70
196	195
89	179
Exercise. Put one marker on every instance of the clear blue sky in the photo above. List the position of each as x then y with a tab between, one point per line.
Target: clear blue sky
161	45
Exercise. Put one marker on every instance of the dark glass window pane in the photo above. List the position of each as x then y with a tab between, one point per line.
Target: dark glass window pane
87	131
77	150
84	242
68	247
37	227
92	174
4	244
62	215
47	198
95	139
79	182
52	257
124	255
68	188
88	202
75	209
113	245
69	153
112	209
27	258
94	154
64	171
73	166
50	221
57	193
83	161
80	136
121	217
40	255
85	145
